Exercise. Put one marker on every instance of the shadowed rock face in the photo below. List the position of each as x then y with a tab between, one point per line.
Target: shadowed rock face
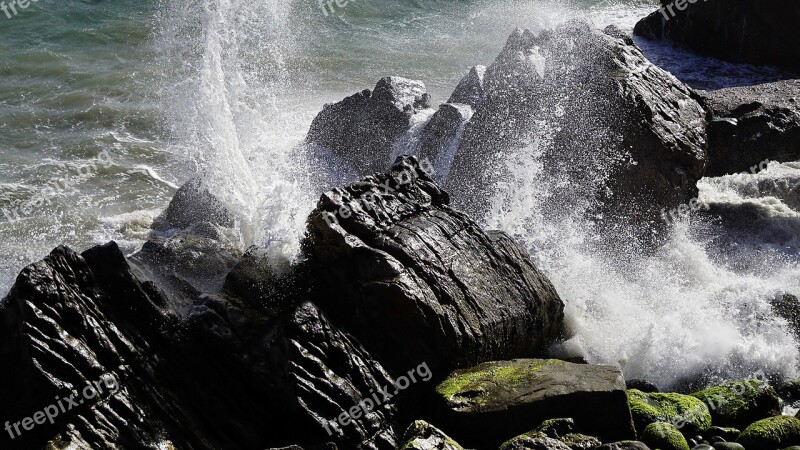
417	281
742	31
270	359
751	125
632	131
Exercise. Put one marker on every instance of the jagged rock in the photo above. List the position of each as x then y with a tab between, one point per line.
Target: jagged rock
618	126
193	204
469	90
752	125
577	441
739	403
440	138
223	370
415	280
482	405
743	31
421	435
362	128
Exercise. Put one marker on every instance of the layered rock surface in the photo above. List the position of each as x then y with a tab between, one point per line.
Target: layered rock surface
270	359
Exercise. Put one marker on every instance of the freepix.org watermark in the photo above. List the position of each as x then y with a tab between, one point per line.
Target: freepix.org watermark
63	405
384	394
53	188
11	7
368	200
668	11
327	5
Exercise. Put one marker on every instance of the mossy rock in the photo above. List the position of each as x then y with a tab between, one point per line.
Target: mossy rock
507	373
555	428
577	441
421	435
741	402
687	413
771	434
664	436
533	440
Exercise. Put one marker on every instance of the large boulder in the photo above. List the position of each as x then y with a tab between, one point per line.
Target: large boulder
743	31
362	128
621	130
416	280
752	125
741	402
483	405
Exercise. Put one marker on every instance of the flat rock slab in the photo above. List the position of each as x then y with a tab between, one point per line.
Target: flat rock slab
503	398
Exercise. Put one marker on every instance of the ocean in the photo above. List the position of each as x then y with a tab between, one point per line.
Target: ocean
107	107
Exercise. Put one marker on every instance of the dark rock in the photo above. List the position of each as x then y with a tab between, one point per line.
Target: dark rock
222	371
533	441
577	441
702	447
619	127
728	446
362	128
555	428
788	389
415	280
787	306
193	204
483	404
624	445
730	434
421	435
742	31
752	125
469	90
642	385
440	138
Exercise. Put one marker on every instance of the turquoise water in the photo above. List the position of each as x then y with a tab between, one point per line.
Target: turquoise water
106	107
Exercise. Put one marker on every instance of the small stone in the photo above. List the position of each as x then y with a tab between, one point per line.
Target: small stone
728	446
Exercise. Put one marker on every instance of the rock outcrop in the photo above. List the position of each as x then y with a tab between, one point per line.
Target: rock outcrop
622	129
362	128
742	31
266	359
482	405
752	125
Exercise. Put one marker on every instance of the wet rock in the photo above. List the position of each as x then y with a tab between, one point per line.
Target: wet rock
469	90
414	279
193	204
641	385
728	433
440	138
728	446
618	126
421	435
689	412
771	434
741	402
555	428
577	441
484	404
743	31
533	441
752	125
787	306
624	445
362	128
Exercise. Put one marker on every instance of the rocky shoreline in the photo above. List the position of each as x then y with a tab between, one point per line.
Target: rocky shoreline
404	324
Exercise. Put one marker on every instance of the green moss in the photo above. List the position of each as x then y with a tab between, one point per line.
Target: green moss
421	435
509	444
688	413
504	372
771	433
577	441
664	436
741	402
